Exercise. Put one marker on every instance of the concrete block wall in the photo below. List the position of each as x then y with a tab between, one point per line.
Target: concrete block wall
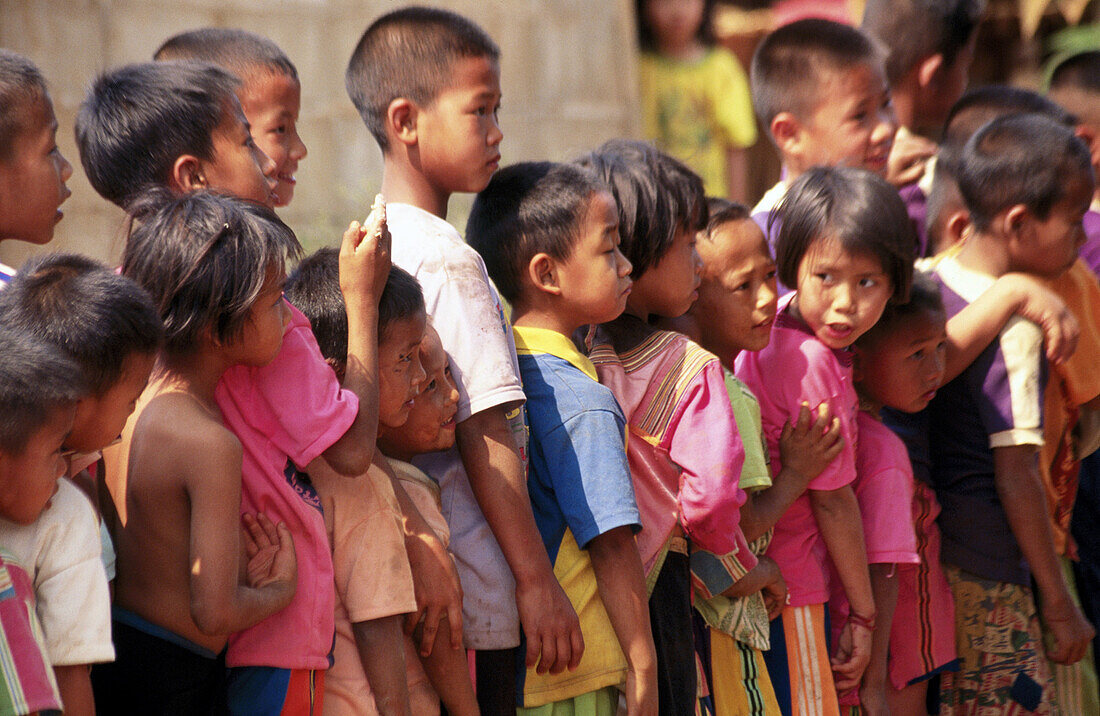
568	75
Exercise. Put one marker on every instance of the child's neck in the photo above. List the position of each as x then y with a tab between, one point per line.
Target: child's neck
197	374
685	52
984	253
404	184
545	319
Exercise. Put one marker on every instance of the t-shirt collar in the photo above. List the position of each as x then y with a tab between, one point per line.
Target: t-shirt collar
531	340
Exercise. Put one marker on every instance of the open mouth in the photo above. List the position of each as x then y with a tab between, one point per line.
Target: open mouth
286	178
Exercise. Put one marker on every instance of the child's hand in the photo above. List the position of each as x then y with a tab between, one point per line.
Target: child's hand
853	654
270	550
908	157
365	257
775	591
1071	631
437	589
1040	305
807	448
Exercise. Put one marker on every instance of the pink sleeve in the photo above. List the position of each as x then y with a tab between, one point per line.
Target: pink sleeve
295	401
826	381
884	490
702	438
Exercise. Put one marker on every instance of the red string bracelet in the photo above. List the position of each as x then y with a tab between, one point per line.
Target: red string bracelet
862	621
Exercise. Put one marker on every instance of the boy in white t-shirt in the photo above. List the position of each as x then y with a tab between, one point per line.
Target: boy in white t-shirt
427	84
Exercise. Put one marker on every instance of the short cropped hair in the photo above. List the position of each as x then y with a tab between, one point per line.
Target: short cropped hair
35	380
855	207
21	84
410	53
723	211
657	196
924	297
243	53
788	64
137	120
314	289
205	258
1020	159
1080	72
87	311
912	30
528	209
648	42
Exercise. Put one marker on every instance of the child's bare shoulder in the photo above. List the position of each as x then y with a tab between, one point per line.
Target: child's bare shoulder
184	432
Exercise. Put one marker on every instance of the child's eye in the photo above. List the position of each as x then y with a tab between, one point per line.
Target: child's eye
430	386
743	287
824	277
867	283
770	275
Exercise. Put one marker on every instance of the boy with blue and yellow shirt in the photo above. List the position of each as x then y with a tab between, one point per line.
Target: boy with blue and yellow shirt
549	237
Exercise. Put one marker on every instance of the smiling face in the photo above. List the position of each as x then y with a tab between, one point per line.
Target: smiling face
32	179
853	124
100	418
457	135
28	480
595	279
237	166
271	102
737	296
431	423
903	368
841	294
670	286
400	373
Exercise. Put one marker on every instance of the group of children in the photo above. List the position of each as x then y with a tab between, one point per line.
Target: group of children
711	460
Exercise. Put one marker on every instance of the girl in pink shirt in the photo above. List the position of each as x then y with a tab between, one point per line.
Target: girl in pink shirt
846	245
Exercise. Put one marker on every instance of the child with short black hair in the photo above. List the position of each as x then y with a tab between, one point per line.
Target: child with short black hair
39	388
270	92
548	233
109	327
734	313
821	90
169	124
213	266
32	171
847	246
1027	181
684	454
899	364
426	82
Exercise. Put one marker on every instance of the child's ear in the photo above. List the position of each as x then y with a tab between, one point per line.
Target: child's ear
1015	219
928	69
955	227
785	129
186	175
542	271
401	118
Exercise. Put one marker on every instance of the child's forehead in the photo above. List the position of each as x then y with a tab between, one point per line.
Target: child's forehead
839	83
473	73
400	333
735	240
262	85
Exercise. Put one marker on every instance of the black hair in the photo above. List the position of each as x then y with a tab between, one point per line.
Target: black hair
137	120
410	53
855	207
924	297
205	258
657	196
912	30
528	209
84	309
314	289
647	40
35	380
723	211
1080	72
1019	159
788	64
21	85
241	52
943	195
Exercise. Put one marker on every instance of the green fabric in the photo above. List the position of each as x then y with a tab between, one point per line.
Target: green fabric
604	702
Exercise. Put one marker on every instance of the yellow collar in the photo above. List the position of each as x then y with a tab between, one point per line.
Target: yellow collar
530	340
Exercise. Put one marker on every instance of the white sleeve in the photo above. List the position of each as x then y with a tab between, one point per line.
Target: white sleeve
71	584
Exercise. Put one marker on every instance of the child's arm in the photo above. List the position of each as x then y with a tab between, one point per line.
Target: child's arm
838	519
496	474
1016	472
381	645
805	450
872	691
973	328
449	674
74	683
621	583
220	604
364	267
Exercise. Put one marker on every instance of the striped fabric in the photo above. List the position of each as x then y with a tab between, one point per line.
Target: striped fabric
798	663
26	679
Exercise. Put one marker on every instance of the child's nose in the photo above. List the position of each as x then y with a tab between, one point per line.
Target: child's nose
625	267
298	149
66	168
496	135
844	299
